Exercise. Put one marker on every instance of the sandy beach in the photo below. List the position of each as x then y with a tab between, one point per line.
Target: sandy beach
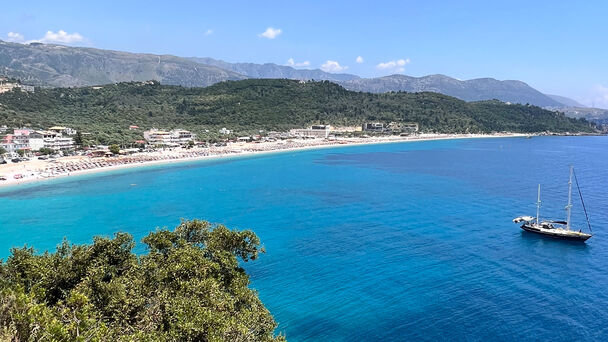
36	170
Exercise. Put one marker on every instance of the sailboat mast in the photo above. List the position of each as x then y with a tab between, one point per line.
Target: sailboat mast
569	206
538	206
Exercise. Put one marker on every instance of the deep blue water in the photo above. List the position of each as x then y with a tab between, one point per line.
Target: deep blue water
383	242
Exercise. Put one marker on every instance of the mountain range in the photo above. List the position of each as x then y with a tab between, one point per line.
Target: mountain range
470	90
66	66
271	70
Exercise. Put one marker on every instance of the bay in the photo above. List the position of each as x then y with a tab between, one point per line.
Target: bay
378	242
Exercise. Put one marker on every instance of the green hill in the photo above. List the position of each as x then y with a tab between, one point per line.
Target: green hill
250	105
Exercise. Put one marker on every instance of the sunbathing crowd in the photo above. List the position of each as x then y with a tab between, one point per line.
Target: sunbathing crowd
62	167
95	163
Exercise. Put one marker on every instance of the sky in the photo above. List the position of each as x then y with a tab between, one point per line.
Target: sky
557	47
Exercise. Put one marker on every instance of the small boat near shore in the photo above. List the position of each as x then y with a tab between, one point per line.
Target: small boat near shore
556	229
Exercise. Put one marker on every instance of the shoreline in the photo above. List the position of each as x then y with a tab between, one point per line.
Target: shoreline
34	174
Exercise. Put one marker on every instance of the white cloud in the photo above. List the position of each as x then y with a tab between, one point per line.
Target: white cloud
208	32
292	63
270	33
394	66
332	66
61	37
359	59
15	37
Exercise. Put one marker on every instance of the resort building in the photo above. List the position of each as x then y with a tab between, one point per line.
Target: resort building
21	139
36	141
393	127
182	136
63	130
8	86
7	143
315	131
277	135
156	137
28	88
30	140
374	127
176	137
409	127
56	141
225	131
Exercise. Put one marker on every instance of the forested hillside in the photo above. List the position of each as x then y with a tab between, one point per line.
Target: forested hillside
250	105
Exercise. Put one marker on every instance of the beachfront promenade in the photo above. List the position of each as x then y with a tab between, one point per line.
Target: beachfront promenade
34	170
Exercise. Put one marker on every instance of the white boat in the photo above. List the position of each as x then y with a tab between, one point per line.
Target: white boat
556	229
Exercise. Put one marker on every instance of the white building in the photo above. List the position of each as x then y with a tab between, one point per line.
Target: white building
7	144
175	137
63	130
8	86
315	131
182	136
59	143
21	139
278	135
5	87
50	139
36	142
28	88
156	137
374	127
225	131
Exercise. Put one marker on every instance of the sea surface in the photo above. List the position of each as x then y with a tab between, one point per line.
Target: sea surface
405	241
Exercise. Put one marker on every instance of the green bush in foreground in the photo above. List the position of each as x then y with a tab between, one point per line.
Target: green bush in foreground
188	287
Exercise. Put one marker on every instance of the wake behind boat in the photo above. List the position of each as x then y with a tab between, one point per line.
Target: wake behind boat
556	229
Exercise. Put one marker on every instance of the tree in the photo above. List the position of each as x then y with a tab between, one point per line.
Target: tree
2	150
21	152
189	286
190	144
46	151
115	149
78	139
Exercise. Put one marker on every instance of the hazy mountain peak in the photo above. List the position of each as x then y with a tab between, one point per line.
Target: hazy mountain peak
272	70
469	90
66	66
568	102
58	65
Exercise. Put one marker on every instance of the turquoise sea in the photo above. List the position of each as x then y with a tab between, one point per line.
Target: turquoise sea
407	241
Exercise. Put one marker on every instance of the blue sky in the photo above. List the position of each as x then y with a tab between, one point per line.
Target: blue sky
556	47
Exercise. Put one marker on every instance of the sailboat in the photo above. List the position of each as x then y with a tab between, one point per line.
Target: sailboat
557	229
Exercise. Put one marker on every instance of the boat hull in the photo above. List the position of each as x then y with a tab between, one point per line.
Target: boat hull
556	235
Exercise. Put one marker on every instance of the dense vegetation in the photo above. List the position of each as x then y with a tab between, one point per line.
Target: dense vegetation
250	105
188	287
